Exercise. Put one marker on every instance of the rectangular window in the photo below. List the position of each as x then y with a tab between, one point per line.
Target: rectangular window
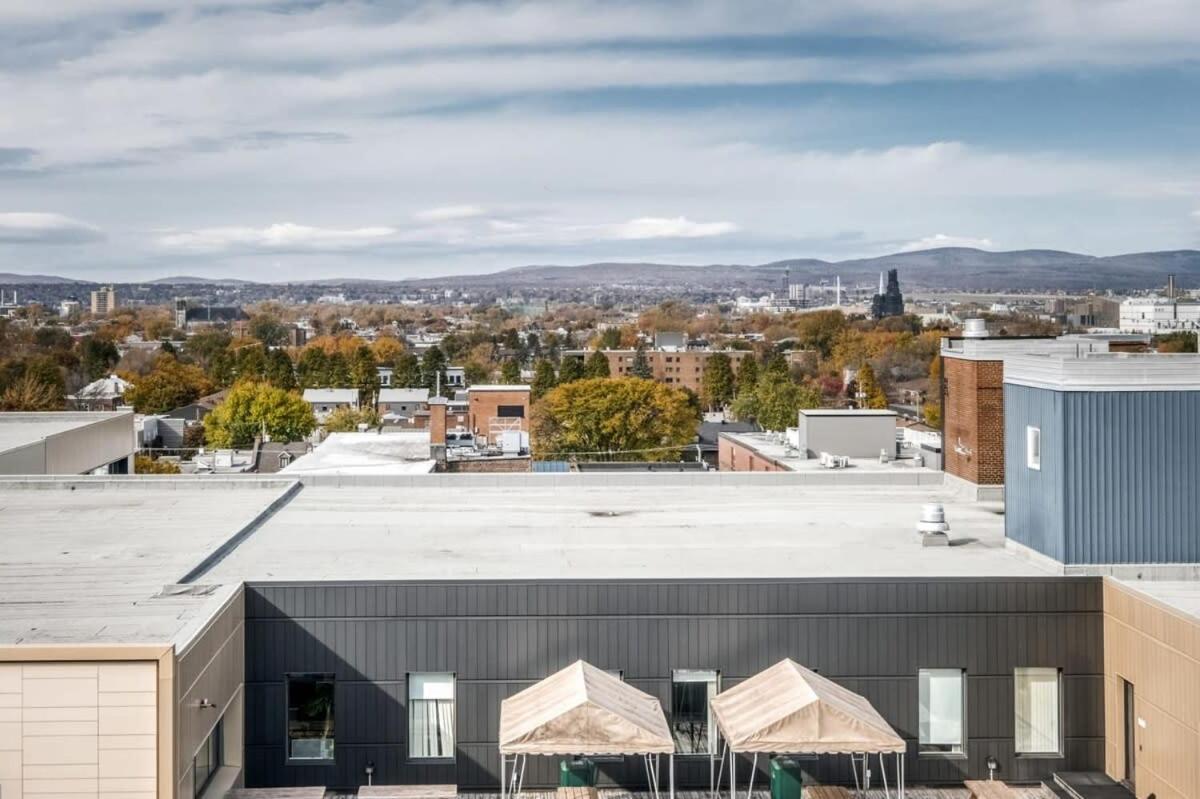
1033	448
207	761
431	716
942	703
691	717
1038	731
510	411
310	731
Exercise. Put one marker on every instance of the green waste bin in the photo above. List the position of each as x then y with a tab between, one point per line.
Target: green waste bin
577	773
787	777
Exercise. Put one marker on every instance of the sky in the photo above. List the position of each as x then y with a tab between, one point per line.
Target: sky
415	138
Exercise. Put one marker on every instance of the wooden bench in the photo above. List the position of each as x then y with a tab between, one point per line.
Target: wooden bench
989	789
825	792
578	792
305	792
407	791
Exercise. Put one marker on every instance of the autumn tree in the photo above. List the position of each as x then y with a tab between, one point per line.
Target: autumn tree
268	329
597	365
169	385
775	401
144	464
717	385
29	393
386	350
544	378
252	408
347	420
870	392
626	417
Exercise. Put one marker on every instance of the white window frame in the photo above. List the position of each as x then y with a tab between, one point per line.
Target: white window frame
1033	447
946	750
1029	750
705	676
408	692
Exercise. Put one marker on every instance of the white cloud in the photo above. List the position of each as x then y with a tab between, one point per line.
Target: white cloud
938	240
284	236
679	227
450	213
30	227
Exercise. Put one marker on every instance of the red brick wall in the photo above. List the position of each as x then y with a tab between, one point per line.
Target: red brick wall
733	456
974	420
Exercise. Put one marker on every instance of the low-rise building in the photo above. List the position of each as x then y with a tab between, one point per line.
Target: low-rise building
1154	315
679	368
325	401
407	406
70	442
104	394
494	409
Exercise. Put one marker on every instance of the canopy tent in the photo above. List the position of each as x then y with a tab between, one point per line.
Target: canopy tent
582	710
788	709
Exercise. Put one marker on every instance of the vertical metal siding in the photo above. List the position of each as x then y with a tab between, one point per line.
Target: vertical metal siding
1035	513
871	635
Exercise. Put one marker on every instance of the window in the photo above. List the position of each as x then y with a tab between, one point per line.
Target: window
1037	712
1033	448
941	711
207	761
431	716
691	717
310	717
510	411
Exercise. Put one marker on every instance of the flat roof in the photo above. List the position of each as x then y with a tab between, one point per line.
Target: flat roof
1117	371
613	526
20	429
846	412
1002	348
860	470
86	561
396	452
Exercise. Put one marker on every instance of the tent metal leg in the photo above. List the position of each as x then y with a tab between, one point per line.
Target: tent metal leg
671	771
854	771
883	775
503	782
753	769
732	774
715	782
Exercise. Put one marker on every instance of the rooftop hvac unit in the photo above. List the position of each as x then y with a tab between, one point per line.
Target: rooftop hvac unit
975	328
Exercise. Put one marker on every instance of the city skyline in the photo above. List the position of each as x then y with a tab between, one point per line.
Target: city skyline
275	140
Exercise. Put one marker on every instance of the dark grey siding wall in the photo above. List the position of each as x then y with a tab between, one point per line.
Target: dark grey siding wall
871	636
1118	479
1034	500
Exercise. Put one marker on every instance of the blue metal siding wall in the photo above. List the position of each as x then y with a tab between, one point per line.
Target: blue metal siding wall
870	635
1034	509
1133	487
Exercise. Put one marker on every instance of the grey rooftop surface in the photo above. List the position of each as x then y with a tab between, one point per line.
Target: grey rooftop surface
22	429
86	561
596	526
861	471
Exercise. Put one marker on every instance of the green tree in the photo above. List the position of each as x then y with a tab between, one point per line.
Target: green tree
597	365
251	363
267	329
337	371
347	420
641	365
775	402
510	372
433	369
363	374
203	347
169	385
98	356
747	375
312	369
718	384
1182	341
871	394
622	416
252	408
406	371
280	371
544	379
610	338
570	369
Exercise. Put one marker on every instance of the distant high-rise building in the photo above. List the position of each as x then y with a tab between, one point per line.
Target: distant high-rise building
889	301
181	313
104	301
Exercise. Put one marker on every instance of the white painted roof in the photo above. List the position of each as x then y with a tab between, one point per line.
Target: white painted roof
404	395
499	387
1119	371
336	395
22	429
392	453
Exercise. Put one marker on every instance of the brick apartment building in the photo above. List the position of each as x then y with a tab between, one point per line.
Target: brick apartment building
679	368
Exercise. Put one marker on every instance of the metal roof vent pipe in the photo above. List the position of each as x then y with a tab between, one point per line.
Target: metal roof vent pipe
975	328
932	526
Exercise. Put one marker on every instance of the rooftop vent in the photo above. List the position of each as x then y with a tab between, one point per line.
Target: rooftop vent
932	526
975	328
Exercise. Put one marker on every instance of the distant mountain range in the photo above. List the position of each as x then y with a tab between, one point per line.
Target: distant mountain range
950	268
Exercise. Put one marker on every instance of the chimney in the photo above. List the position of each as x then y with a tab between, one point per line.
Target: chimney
437	428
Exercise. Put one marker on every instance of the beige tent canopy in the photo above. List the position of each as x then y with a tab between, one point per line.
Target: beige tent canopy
788	709
791	709
582	710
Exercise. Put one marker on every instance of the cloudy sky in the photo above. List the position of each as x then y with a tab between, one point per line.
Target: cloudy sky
282	140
